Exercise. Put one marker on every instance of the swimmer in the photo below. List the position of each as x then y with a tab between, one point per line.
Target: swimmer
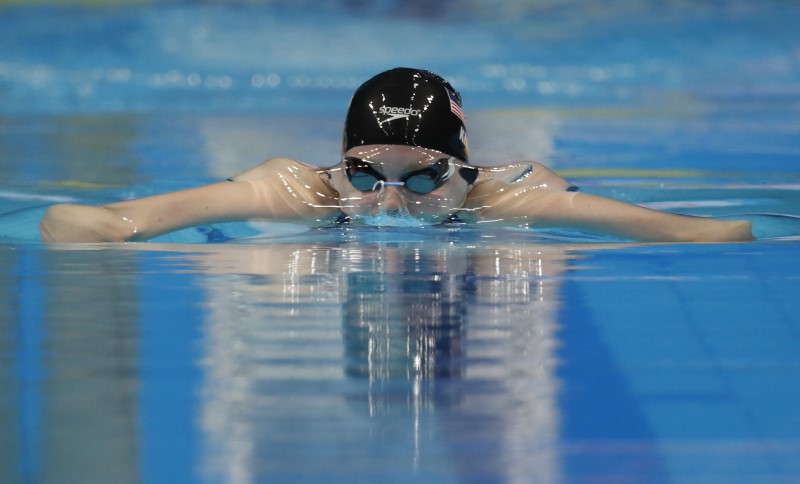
404	162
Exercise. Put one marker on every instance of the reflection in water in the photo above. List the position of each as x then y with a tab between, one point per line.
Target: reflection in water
71	335
448	352
363	360
402	320
90	409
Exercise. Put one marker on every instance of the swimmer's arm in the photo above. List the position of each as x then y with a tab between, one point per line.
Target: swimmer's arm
141	218
538	204
594	213
278	189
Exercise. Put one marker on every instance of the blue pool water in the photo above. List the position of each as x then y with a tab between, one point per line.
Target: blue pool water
437	354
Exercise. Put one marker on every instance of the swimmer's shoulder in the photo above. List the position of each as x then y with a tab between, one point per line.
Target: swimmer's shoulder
276	165
529	174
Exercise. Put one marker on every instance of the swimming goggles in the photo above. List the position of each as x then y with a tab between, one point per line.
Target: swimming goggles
367	179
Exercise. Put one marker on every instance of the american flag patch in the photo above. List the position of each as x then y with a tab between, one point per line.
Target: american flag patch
455	108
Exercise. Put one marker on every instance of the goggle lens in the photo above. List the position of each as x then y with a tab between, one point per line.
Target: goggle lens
366	182
366	179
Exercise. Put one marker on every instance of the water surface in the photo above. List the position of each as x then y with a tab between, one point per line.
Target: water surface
440	355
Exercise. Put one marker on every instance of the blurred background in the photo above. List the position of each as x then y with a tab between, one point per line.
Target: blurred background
102	93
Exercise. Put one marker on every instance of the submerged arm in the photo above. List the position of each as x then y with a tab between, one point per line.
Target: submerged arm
279	189
538	204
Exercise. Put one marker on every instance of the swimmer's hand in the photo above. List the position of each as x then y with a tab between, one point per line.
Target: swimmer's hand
84	223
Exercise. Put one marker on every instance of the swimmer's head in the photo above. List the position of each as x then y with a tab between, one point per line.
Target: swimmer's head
410	107
400	185
404	151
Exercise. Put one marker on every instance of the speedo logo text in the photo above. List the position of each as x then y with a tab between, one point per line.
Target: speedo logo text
395	112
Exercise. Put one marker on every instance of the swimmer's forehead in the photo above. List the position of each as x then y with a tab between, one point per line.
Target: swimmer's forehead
396	156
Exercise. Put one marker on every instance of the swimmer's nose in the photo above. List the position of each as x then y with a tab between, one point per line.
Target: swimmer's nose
391	199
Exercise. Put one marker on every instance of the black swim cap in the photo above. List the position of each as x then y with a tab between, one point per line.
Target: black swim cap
404	106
